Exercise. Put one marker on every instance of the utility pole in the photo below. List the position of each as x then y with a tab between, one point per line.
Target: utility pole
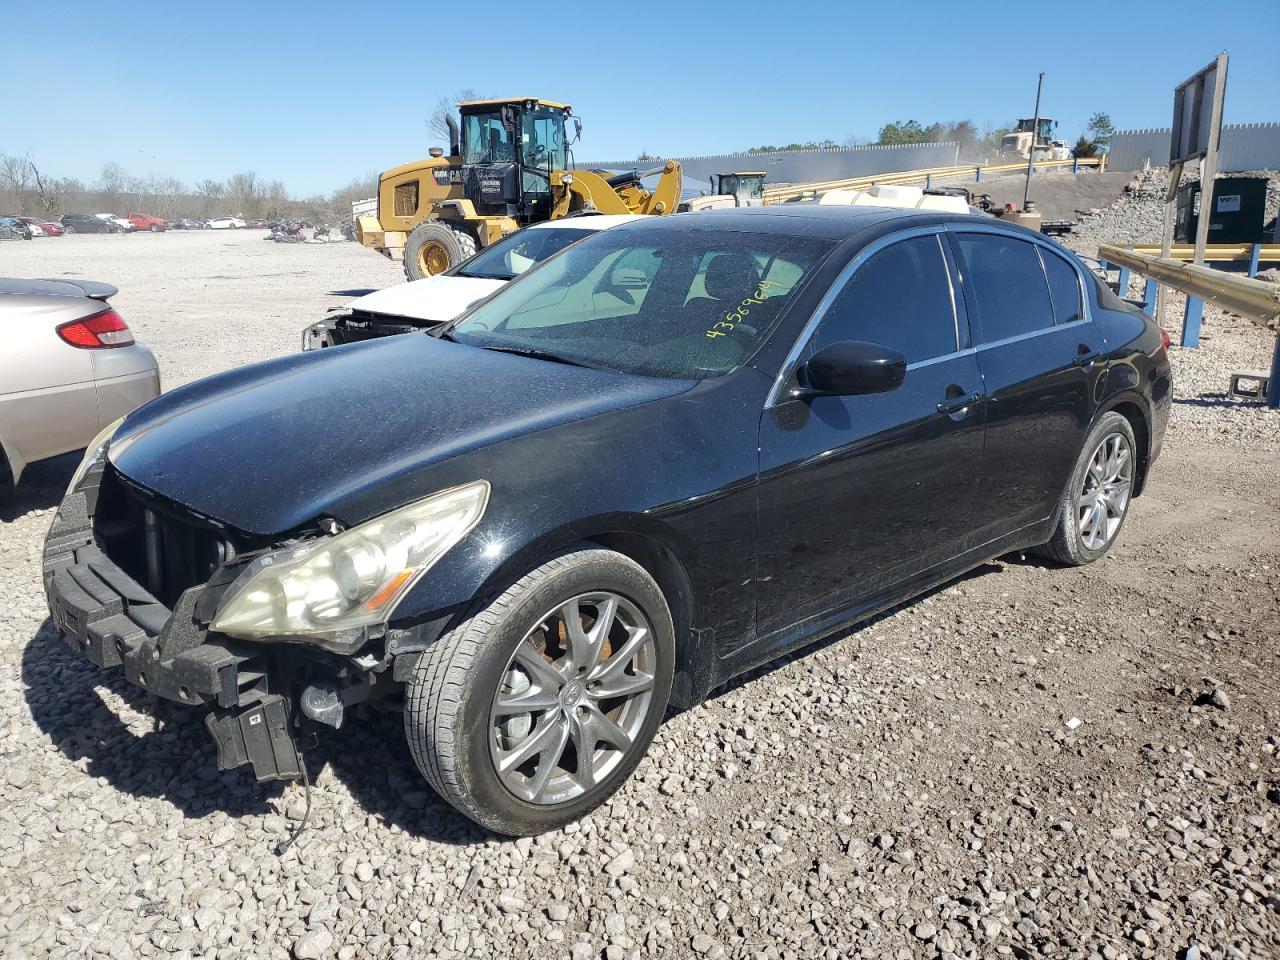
1035	132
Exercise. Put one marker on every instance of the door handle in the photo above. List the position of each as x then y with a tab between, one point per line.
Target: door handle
957	404
1086	359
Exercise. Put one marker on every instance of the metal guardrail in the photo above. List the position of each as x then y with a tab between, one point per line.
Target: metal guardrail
804	191
1250	298
1256	299
1216	252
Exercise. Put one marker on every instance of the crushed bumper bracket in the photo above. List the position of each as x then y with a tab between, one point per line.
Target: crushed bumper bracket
258	735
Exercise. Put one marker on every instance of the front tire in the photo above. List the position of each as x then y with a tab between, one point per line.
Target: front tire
534	709
434	246
1096	501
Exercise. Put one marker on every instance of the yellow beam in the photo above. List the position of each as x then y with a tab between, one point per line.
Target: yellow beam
1249	298
1217	252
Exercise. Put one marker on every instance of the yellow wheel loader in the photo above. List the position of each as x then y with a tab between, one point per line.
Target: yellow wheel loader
508	166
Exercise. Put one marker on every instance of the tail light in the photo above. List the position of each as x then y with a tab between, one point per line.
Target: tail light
1165	339
105	329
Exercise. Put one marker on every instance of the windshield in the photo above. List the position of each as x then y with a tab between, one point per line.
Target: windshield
663	302
485	139
513	255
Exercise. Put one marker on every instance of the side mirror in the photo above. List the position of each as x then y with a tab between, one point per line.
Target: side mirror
850	368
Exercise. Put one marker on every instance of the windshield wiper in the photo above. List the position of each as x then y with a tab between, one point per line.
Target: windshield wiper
485	276
535	353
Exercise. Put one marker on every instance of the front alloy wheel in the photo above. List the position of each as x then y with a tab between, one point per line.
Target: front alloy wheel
574	697
537	706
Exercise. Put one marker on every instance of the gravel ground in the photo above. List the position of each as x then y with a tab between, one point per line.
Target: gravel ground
1140	218
1028	762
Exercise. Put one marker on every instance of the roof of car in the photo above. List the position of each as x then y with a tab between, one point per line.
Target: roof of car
816	220
797	219
590	221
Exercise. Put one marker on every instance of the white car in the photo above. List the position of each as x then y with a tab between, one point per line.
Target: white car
423	304
226	223
118	221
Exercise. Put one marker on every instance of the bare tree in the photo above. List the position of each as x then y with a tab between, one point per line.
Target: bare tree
242	193
15	178
113	183
209	192
445	107
46	190
275	197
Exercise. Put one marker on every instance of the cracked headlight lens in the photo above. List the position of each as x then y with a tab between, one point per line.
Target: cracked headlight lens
329	590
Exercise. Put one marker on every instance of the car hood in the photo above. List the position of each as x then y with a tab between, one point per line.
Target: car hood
271	447
432	298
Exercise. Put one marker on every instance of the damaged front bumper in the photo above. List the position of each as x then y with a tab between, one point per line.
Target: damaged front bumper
106	616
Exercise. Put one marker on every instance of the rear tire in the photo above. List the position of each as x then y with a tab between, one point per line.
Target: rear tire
435	246
1096	501
516	771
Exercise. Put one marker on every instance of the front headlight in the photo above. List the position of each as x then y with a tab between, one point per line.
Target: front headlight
328	591
93	453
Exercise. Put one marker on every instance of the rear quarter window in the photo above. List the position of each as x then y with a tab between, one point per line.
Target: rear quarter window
1064	287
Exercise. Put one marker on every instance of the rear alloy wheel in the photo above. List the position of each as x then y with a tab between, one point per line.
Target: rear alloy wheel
536	708
1097	498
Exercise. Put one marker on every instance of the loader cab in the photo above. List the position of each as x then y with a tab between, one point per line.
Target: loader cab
509	150
746	188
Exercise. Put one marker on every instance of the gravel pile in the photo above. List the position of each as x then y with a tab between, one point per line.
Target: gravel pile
1138	217
1030	762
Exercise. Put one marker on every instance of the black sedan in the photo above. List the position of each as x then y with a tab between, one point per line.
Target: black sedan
84	223
675	451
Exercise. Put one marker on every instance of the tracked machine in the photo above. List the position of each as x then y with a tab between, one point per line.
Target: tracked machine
508	165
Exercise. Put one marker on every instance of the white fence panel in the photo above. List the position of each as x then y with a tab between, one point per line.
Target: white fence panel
1245	146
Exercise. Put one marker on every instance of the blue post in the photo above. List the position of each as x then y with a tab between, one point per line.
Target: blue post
1191	322
1273	387
977	174
1149	294
928	183
1075	164
1253	259
1124	283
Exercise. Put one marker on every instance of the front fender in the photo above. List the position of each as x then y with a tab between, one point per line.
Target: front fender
492	557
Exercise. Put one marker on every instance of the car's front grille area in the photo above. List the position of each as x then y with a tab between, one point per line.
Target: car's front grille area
153	541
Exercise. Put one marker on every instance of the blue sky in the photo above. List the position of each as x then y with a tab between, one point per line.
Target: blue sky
301	92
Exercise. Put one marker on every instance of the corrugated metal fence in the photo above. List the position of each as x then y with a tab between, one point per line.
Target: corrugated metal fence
806	166
1245	146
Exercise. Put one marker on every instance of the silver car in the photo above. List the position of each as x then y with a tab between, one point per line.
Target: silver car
70	367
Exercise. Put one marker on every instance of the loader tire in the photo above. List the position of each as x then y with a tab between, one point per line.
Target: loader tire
433	247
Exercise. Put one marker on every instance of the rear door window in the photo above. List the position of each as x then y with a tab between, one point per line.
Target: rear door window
1008	284
900	298
1064	287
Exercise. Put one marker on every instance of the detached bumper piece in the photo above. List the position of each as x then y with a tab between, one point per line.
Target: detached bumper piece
260	736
